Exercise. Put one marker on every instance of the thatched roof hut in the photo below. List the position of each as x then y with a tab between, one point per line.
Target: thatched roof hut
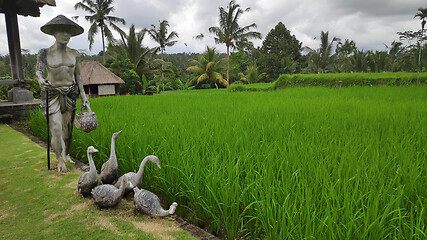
98	80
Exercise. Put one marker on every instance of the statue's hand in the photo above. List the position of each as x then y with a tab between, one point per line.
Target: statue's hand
45	85
85	103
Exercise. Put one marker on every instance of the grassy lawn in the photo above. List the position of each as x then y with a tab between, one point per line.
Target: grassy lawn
36	203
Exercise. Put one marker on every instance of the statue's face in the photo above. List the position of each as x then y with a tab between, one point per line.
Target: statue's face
62	36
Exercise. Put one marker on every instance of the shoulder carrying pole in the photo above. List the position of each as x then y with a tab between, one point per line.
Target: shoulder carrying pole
48	130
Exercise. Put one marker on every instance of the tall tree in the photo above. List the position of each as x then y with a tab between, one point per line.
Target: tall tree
422	15
99	11
162	37
396	52
326	49
279	51
359	61
379	61
345	49
324	54
160	66
229	31
207	69
343	52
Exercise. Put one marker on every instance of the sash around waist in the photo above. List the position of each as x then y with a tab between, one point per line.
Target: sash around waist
60	99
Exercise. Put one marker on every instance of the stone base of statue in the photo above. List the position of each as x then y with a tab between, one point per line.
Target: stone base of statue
20	103
19	95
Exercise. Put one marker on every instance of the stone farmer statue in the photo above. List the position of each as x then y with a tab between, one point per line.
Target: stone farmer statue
62	84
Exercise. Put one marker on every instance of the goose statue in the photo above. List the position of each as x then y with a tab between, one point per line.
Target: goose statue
148	203
107	195
88	180
136	178
109	168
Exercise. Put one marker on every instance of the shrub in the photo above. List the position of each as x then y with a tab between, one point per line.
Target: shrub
239	87
350	79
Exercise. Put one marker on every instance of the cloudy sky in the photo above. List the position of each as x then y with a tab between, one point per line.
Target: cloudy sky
370	23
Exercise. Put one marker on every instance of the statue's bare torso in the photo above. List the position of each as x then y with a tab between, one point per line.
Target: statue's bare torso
61	67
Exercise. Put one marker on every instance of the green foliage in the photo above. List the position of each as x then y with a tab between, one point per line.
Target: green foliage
320	60
302	163
132	83
144	82
256	87
180	62
3	90
34	87
29	62
351	79
125	70
183	86
359	61
280	52
207	70
130	47
160	68
119	66
239	62
86	57
252	75
29	65
5	66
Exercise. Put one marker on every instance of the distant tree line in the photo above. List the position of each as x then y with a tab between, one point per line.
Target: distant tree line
147	70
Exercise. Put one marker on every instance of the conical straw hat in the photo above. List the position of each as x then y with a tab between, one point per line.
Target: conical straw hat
63	23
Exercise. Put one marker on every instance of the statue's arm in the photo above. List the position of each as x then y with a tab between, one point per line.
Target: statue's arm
79	82
40	68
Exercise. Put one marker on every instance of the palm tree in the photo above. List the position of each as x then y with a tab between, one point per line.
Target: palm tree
130	46
359	61
345	49
326	49
252	75
314	60
99	11
319	59
207	69
229	31
422	15
162	37
160	66
379	61
343	53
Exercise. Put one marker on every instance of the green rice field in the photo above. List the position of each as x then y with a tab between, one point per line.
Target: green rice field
299	163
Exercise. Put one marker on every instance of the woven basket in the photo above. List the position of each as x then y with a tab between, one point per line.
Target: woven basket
86	121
